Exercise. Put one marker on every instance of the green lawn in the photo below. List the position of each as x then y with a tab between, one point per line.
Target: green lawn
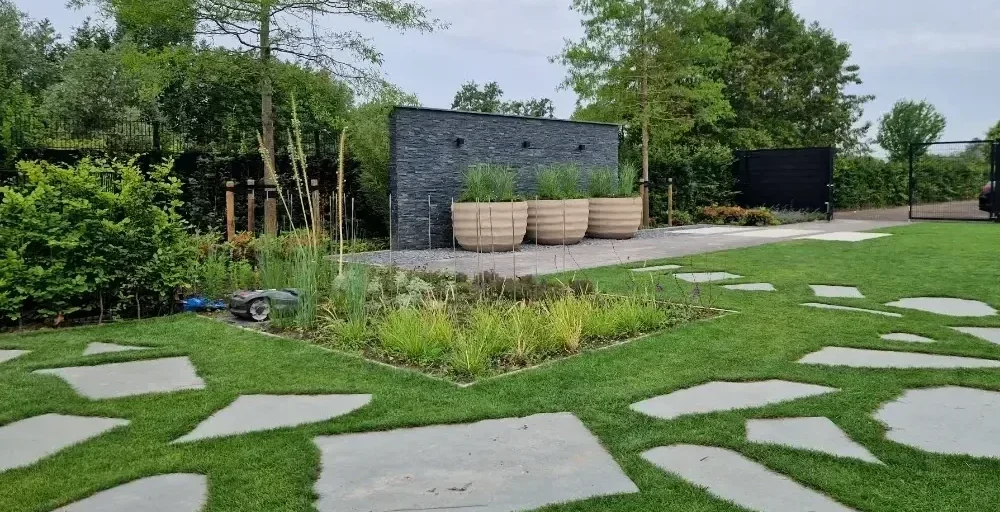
275	471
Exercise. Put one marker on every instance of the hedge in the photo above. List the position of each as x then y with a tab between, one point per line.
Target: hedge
870	182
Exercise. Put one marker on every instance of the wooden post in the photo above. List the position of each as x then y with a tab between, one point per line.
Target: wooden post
317	219
670	203
230	210
270	210
251	207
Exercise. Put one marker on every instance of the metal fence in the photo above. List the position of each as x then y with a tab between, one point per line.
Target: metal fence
954	180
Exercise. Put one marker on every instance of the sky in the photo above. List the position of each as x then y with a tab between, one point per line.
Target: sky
947	52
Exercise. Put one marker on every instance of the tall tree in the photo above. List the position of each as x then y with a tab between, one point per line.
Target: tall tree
909	122
489	98
994	133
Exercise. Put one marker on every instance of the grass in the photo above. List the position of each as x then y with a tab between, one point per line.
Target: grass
275	471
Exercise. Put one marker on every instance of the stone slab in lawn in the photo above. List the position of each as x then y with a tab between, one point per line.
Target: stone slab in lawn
7	355
753	287
706	277
656	268
841	292
861	358
990	334
724	396
494	465
255	413
848	308
906	337
946	306
737	479
950	420
128	379
719	230
816	434
98	347
846	236
775	233
174	492
27	441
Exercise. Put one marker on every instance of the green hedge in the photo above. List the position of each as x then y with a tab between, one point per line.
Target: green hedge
869	182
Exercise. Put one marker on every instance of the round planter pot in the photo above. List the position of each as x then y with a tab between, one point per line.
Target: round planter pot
557	221
489	227
614	217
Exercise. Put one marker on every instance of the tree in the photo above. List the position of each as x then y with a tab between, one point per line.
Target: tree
489	99
908	123
994	133
95	91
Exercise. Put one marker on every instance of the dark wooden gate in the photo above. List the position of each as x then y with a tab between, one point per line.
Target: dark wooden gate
794	179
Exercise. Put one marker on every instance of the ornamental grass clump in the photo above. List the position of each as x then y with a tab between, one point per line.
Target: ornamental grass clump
489	183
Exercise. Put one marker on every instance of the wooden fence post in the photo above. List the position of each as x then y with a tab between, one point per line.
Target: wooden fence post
670	203
230	210
270	210
251	207
317	219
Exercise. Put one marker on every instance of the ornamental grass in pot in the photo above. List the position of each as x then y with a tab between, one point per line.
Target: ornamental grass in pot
560	214
489	216
615	205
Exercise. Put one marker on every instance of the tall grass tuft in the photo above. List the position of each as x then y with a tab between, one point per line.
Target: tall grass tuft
421	335
566	318
602	183
559	181
628	179
489	183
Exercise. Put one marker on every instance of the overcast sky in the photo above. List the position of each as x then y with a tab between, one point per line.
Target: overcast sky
947	52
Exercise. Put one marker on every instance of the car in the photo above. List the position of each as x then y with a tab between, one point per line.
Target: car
986	198
257	305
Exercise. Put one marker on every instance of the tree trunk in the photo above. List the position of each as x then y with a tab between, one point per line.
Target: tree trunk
644	99
266	91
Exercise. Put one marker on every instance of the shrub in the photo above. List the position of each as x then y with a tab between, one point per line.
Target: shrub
758	217
797	216
69	244
736	215
485	183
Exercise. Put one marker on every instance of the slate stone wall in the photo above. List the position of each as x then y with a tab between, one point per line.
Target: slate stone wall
427	159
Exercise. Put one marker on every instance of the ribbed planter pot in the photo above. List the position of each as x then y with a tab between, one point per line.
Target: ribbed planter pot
614	217
558	221
489	227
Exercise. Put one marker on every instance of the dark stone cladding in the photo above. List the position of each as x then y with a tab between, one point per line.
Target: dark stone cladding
426	159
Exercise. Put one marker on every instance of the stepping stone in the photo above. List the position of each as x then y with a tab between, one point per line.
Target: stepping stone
909	338
726	396
990	334
174	492
815	434
841	292
27	441
721	230
946	306
775	233
656	269
494	465
129	379
856	310
860	358
732	477
98	347
255	413
950	420
755	287
847	236
7	355
706	277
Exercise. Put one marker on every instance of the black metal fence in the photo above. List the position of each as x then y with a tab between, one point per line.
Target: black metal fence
954	180
794	179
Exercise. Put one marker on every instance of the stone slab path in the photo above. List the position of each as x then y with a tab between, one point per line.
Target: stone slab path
946	306
819	305
725	396
658	268
255	413
7	355
776	233
990	334
753	287
842	292
129	379
717	230
175	492
908	338
860	358
502	465
847	236
816	434
949	420
98	347
737	479
27	441
706	277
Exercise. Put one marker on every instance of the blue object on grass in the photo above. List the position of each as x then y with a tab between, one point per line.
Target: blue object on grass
198	304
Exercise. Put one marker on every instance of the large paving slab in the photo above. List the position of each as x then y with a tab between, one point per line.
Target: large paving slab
752	287
725	396
717	230
841	292
657	268
817	434
98	347
846	236
706	277
734	478
128	379
835	307
255	413
990	334
493	466
949	420
174	492
7	355
776	233
861	358
906	337
946	306
27	441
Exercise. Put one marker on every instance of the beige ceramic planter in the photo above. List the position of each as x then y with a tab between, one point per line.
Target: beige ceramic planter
557	221
614	217
489	227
